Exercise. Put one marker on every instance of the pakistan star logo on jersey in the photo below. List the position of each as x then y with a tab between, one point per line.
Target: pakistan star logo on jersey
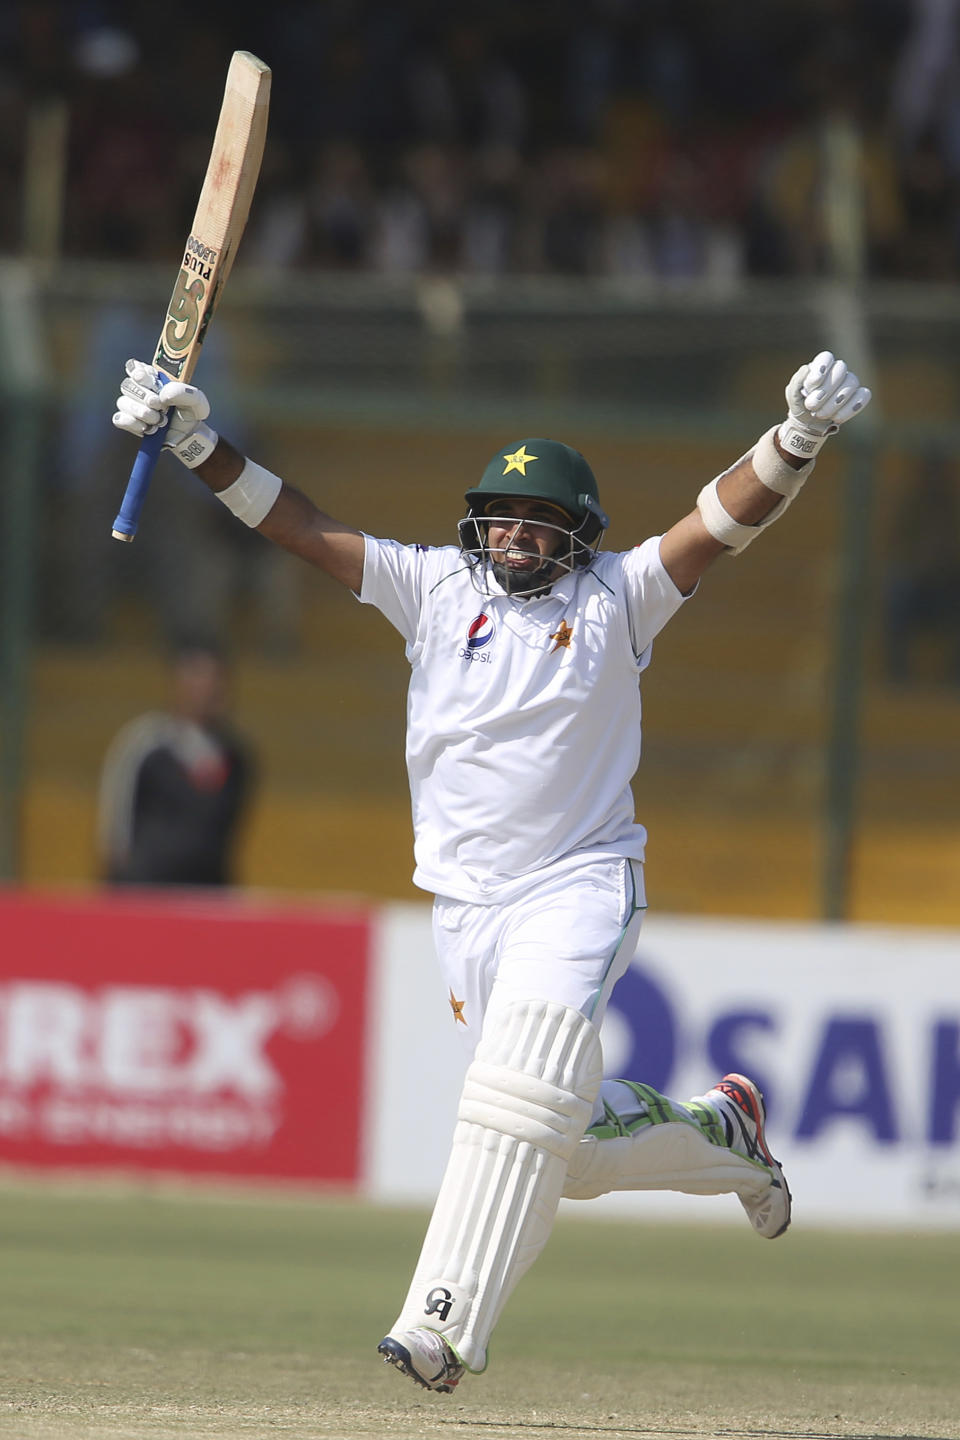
562	637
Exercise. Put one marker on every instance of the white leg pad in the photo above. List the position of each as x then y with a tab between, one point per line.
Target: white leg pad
526	1101
673	1156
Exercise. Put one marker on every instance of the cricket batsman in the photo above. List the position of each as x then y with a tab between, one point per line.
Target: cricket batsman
526	645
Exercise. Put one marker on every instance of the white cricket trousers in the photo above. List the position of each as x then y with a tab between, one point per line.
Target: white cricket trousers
566	940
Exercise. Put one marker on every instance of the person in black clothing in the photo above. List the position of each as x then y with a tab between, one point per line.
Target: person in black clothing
176	784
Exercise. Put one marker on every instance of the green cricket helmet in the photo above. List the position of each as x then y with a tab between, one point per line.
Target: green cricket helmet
545	470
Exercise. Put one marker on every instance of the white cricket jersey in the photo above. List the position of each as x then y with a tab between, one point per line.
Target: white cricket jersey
523	716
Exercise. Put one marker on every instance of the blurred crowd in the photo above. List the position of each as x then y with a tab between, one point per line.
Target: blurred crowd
670	139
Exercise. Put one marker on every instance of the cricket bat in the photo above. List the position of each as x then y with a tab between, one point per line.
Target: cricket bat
222	212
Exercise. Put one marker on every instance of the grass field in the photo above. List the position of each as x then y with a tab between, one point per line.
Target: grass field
156	1313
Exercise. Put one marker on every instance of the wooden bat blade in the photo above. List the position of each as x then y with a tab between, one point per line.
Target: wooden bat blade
221	215
211	247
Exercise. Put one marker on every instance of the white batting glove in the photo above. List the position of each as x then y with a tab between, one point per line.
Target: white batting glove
144	406
821	397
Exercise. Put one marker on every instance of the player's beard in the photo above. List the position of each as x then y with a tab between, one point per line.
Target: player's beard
526	583
526	579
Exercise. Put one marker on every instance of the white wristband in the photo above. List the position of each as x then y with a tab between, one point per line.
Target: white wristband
800	441
200	443
775	472
253	494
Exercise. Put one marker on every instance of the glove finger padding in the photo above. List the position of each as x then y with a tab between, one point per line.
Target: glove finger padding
843	398
139	411
836	381
190	404
143	374
821	396
858	401
145	406
137	416
816	369
148	399
131	424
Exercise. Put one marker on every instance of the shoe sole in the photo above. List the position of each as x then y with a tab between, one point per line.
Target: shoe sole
399	1356
758	1114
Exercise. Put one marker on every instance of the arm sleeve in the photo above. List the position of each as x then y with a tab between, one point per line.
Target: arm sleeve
652	597
393	581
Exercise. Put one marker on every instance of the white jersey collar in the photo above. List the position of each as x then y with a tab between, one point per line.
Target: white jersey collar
561	590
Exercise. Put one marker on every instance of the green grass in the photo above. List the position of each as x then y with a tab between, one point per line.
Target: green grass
155	1313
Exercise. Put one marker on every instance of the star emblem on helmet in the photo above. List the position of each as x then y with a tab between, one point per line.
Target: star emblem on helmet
518	461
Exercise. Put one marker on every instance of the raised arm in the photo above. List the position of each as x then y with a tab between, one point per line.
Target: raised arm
258	498
735	507
291	518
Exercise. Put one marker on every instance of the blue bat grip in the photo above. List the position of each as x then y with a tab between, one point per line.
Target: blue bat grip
125	525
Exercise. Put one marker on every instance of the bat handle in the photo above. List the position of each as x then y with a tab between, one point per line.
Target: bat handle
125	525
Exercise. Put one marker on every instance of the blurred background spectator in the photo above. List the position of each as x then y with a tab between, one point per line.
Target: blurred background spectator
674	140
176	784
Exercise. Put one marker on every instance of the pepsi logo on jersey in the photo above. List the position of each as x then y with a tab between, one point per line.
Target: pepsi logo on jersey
480	632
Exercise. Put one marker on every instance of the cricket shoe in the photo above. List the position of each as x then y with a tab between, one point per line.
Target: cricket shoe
425	1356
741	1104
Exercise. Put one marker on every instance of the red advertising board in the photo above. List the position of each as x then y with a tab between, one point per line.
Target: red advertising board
203	1036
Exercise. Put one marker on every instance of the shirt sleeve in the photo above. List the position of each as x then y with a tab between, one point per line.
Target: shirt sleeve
652	597
393	581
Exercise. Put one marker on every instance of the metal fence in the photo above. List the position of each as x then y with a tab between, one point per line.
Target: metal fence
802	745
